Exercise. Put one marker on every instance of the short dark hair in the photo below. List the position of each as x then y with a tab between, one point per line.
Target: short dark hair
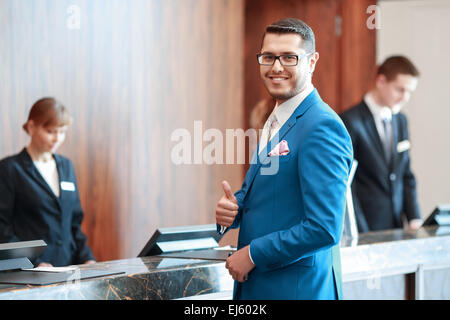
293	25
395	65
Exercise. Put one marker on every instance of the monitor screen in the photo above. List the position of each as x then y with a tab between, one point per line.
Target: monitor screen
177	239
22	249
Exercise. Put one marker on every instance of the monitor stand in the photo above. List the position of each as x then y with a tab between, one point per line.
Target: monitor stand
17	263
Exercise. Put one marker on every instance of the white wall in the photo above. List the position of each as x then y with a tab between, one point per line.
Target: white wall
420	29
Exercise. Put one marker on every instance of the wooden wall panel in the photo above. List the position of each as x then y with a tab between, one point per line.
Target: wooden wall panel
132	73
198	78
358	52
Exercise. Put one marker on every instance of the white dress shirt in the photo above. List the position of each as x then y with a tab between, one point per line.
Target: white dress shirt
383	121
379	113
49	172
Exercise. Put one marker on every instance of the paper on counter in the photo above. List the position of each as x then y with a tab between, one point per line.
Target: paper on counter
54	269
227	247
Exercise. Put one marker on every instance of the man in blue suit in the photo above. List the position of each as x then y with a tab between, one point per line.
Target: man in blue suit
291	204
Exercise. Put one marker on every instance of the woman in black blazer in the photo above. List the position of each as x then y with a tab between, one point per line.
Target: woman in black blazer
38	191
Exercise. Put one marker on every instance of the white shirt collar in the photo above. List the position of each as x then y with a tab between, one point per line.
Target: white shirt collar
378	111
283	111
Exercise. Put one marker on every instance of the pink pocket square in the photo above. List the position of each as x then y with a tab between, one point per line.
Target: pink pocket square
280	149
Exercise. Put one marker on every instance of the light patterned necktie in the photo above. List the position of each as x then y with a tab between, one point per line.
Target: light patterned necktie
268	130
272	126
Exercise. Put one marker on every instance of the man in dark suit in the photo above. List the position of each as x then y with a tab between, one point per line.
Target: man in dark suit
384	187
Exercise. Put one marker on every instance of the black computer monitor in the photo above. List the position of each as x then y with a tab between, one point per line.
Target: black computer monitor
22	249
440	216
20	255
176	239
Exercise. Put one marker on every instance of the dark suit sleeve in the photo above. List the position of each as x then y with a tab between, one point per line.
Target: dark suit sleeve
361	221
83	252
6	205
410	203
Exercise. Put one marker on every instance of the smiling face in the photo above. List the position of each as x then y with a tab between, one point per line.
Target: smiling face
284	82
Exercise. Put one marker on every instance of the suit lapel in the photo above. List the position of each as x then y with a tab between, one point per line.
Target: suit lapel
369	123
263	158
394	140
380	164
60	177
36	175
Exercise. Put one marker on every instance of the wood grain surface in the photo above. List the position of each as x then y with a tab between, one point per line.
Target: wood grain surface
132	73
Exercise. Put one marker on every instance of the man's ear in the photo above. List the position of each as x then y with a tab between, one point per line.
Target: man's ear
380	80
312	61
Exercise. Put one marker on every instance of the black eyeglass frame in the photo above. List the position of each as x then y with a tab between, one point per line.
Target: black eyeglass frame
281	55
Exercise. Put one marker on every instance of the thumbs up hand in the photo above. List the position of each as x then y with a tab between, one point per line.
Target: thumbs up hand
227	207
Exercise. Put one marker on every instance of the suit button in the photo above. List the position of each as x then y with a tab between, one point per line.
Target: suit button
392	176
59	242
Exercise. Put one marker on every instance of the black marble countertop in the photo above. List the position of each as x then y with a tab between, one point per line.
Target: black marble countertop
374	253
153	278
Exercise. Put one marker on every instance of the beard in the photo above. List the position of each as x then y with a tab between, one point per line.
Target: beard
283	96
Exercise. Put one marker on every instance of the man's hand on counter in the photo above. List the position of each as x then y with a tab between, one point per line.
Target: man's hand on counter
239	264
415	224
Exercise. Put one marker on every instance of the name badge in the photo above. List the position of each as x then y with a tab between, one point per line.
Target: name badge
67	186
403	146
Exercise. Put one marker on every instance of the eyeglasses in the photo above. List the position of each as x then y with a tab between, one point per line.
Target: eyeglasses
288	60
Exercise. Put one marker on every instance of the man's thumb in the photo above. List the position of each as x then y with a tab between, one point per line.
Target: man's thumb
227	189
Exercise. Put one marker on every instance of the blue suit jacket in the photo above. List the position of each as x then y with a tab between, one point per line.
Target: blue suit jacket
29	210
293	218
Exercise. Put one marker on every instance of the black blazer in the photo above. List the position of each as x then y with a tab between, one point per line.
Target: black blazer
382	191
29	210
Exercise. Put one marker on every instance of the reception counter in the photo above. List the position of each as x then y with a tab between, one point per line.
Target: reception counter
397	264
393	264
